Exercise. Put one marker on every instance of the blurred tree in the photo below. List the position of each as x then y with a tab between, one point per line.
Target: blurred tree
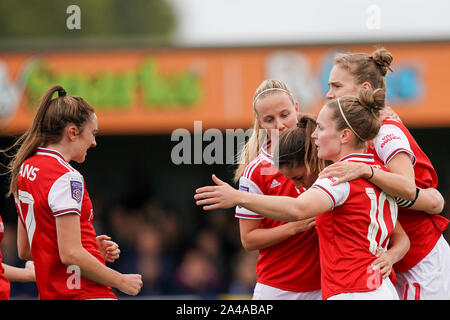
40	19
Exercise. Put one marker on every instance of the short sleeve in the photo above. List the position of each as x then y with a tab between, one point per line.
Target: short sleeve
337	194
390	141
247	185
66	194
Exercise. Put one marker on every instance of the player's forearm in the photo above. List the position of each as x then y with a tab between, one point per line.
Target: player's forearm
266	237
17	274
279	208
429	200
93	269
393	184
399	244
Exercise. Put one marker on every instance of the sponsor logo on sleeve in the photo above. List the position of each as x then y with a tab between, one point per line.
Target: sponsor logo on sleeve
387	138
76	188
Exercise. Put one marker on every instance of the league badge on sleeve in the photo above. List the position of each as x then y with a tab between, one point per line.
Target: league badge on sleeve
244	188
76	188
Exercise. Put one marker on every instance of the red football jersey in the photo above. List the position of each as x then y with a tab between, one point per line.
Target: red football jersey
4	283
292	264
361	221
49	187
422	229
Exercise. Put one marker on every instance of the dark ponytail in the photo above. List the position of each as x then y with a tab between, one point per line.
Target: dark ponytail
296	147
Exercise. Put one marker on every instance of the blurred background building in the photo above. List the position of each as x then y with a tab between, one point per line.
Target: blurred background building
151	67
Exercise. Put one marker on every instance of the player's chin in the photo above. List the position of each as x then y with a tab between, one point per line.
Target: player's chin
80	159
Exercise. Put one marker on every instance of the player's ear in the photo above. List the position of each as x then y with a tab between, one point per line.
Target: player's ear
72	131
346	135
366	85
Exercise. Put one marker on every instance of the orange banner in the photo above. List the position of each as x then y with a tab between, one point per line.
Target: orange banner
158	91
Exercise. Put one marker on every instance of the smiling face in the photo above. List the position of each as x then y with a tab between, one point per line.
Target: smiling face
341	83
298	175
276	112
86	139
327	139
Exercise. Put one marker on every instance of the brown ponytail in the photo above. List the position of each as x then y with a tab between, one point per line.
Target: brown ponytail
52	116
296	147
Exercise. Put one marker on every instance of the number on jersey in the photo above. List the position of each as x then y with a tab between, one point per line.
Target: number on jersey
27	199
377	222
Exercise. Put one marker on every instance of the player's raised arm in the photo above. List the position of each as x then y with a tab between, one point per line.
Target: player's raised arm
275	207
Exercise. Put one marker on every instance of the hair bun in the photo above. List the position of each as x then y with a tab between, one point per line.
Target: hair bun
374	100
383	59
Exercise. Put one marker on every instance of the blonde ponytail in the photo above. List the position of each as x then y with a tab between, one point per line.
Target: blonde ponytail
250	149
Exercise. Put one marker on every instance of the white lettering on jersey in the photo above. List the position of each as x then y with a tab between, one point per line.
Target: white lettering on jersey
28	172
390	141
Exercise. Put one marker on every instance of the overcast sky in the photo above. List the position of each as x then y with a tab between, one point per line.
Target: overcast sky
250	22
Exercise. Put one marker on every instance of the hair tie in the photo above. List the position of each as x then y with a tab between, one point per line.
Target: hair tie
61	93
303	123
346	121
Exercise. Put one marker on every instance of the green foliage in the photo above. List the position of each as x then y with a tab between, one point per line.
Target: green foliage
99	18
171	91
108	90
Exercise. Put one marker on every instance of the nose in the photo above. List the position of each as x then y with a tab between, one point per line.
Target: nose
94	143
330	94
314	134
280	125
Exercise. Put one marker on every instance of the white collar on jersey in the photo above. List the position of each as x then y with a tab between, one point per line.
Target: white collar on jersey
42	150
265	152
54	154
365	157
